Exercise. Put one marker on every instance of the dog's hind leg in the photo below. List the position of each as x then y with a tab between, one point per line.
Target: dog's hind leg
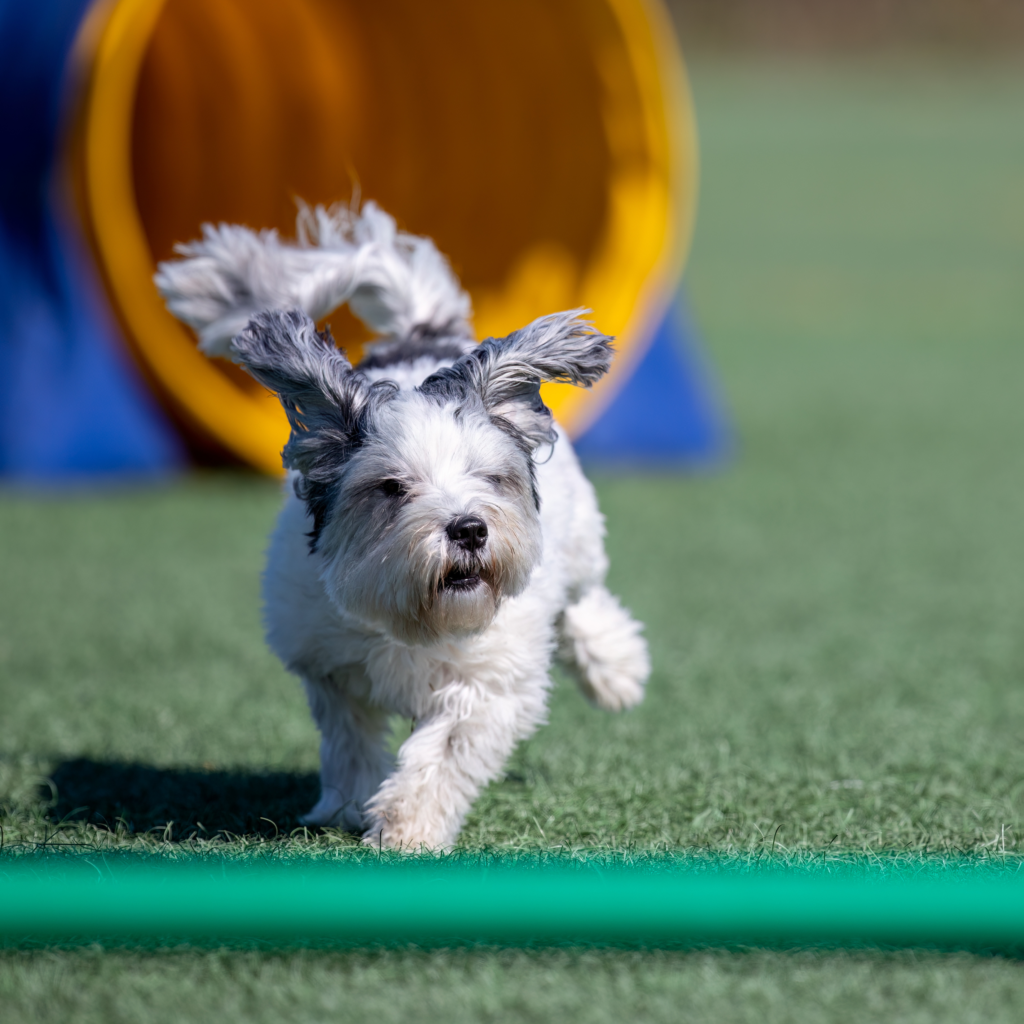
353	758
600	644
602	648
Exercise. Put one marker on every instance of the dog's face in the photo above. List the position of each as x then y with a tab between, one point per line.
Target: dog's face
424	502
434	520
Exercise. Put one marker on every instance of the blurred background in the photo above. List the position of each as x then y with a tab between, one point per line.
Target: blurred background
792	27
129	124
569	183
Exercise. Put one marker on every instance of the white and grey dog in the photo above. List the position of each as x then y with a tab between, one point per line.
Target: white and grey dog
427	562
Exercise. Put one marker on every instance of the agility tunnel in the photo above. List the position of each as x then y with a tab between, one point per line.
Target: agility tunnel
430	902
549	149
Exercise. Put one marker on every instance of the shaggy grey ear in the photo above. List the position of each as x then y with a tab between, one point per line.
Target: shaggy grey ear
321	396
508	372
325	401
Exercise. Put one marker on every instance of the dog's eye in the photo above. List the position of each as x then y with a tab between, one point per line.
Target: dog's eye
497	481
392	488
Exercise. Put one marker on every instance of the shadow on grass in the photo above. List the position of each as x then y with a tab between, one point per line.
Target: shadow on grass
193	801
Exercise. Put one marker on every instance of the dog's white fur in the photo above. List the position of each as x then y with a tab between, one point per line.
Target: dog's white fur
436	589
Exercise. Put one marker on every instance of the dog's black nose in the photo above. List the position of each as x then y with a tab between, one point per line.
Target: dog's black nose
468	532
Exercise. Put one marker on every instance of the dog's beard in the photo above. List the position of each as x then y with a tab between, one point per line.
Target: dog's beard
465	599
426	590
452	598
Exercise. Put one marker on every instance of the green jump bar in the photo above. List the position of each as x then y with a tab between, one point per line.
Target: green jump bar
451	904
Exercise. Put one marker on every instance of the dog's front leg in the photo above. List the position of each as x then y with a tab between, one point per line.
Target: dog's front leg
449	757
353	758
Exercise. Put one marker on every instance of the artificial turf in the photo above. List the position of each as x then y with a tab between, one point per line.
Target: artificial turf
836	616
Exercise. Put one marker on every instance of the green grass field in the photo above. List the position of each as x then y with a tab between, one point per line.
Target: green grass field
836	617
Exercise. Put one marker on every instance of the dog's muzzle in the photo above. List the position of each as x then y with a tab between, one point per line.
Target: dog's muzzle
468	535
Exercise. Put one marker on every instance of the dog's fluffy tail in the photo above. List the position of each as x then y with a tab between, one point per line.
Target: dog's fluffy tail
398	284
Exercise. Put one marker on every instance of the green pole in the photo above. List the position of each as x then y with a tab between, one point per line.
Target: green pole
444	903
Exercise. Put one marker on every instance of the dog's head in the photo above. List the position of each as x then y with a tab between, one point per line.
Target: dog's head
424	503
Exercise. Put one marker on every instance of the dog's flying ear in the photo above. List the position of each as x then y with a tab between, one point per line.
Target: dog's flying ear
322	397
508	372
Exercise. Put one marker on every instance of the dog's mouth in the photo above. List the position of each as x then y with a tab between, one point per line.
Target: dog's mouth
460	579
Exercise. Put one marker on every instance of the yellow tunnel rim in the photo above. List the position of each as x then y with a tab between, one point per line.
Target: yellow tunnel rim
252	425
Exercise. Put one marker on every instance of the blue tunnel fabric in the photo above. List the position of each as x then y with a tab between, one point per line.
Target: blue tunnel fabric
667	414
72	403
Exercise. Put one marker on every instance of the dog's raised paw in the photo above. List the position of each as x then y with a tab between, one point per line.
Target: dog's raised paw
603	646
